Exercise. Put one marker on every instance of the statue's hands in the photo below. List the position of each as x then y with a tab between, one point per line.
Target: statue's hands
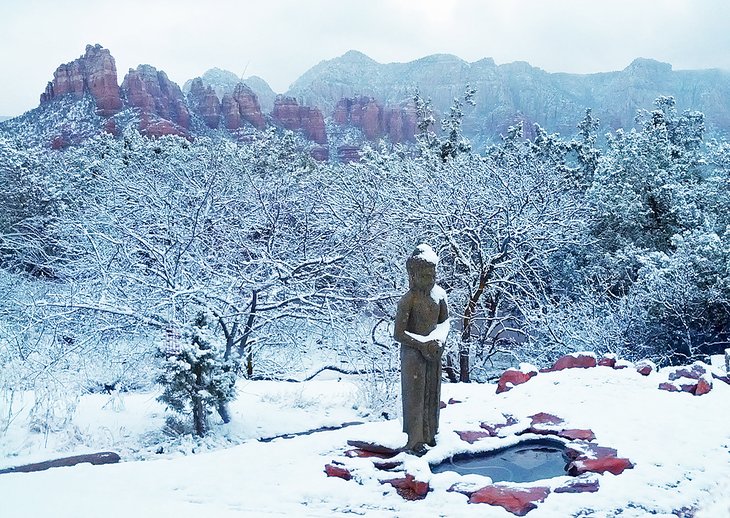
432	350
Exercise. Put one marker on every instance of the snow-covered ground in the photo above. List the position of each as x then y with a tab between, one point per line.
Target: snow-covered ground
679	443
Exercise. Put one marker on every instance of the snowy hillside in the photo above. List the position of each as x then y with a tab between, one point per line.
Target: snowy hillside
679	445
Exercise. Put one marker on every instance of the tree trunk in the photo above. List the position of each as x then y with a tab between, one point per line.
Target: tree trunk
449	368
199	418
464	362
224	412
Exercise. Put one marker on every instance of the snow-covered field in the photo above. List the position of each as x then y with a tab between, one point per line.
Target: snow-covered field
679	443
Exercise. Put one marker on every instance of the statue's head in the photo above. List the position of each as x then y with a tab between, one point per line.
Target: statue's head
421	266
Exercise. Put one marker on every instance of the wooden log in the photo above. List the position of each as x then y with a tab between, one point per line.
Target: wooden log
105	457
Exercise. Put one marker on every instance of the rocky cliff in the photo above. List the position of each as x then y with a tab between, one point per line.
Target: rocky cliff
376	121
290	115
224	82
516	92
94	73
150	90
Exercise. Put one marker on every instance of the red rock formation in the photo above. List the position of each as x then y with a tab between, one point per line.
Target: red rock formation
152	92
205	103
320	154
94	73
248	106
154	126
291	116
347	153
375	121
230	112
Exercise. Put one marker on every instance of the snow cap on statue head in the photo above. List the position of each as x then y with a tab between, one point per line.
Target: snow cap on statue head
424	255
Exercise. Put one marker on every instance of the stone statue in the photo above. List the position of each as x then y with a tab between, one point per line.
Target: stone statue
421	327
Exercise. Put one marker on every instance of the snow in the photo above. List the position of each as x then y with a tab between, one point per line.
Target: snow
679	443
440	333
426	253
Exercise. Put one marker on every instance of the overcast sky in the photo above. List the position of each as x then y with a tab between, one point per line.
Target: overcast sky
280	39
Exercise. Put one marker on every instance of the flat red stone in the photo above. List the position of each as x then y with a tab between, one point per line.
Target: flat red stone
607	362
473	436
580	361
544	418
517	500
588	450
644	368
409	488
613	465
577	434
364	454
453	401
579	486
337	471
703	387
694	372
670	387
511	378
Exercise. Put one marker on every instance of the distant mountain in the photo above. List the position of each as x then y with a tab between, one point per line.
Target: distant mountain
4	118
224	82
515	92
340	103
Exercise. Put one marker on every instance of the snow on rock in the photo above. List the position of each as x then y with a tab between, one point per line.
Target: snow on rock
675	467
408	487
581	360
513	377
517	500
614	465
580	484
608	360
646	367
333	470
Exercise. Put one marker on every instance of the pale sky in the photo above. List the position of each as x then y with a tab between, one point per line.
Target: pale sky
281	39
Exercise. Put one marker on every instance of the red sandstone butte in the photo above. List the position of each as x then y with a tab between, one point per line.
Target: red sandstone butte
375	121
248	106
337	471
205	103
613	465
511	378
573	361
149	90
409	488
94	73
288	113
517	500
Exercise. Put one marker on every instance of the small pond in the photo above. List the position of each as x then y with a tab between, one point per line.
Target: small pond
528	461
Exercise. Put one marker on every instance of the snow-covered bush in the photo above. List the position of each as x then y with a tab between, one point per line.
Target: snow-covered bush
195	378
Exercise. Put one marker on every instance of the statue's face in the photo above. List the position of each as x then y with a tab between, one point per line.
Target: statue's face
424	277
